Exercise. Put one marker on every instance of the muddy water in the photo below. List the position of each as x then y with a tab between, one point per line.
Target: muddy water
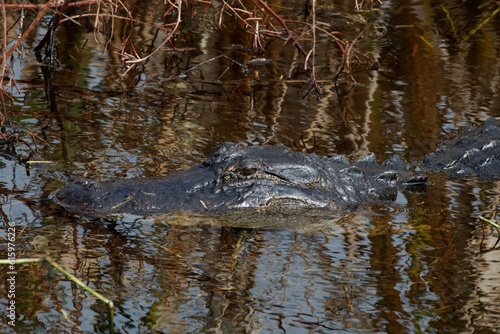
423	264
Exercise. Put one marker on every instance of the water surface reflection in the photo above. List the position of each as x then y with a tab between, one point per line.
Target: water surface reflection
422	264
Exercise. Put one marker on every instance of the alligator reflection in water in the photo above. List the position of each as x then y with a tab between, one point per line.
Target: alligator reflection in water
237	177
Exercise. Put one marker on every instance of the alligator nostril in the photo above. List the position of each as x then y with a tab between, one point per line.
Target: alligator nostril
91	185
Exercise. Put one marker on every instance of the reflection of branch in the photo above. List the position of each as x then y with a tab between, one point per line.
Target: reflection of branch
183	74
312	54
308	56
359	6
348	51
282	22
27	31
132	60
7	54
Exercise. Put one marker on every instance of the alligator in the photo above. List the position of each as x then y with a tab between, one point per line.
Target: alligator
241	177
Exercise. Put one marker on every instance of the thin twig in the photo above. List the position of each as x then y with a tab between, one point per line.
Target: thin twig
31	27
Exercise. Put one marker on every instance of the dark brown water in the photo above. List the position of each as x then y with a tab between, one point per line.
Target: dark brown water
421	265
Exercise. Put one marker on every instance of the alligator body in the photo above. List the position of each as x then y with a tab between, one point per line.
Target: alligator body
476	152
239	177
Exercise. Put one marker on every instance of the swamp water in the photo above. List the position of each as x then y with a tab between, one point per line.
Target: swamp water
423	264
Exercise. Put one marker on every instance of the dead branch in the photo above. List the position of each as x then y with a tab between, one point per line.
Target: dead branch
52	6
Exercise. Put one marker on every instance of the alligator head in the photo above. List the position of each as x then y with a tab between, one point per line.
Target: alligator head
238	177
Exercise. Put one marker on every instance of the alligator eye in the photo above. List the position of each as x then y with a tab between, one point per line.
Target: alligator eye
246	171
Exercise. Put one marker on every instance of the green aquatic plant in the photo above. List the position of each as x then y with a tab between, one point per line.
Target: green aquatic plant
72	278
491	222
473	31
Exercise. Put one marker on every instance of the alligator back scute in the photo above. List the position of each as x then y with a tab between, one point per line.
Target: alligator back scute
476	152
395	162
392	173
337	161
